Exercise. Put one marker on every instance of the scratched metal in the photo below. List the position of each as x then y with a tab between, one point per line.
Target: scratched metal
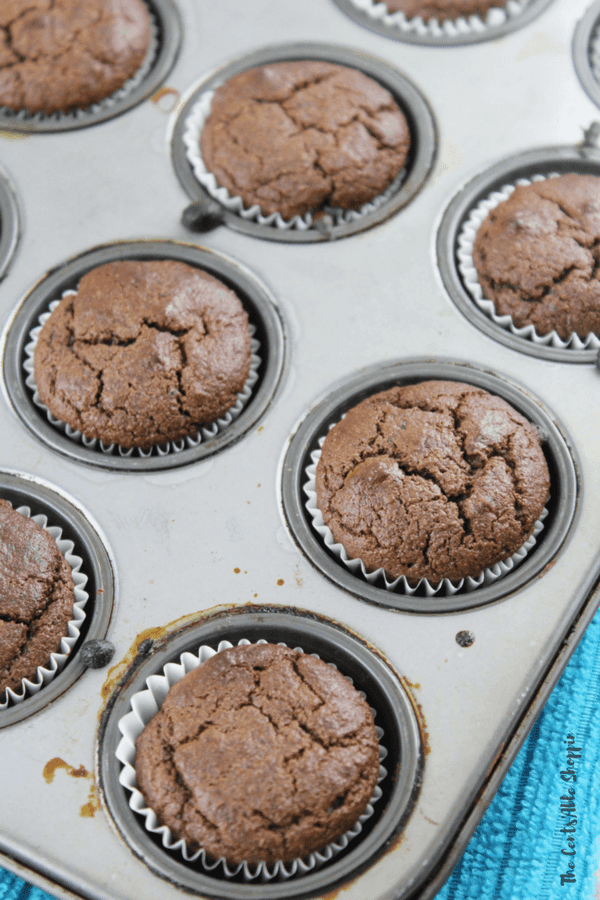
211	533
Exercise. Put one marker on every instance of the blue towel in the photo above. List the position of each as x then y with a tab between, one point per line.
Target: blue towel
539	839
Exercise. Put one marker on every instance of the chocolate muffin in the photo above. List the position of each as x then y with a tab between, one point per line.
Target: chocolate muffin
537	253
144	353
260	754
59	55
36	598
432	480
294	136
443	9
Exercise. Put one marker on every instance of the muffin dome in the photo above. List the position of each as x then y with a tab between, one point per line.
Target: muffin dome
261	753
294	136
536	256
144	353
433	480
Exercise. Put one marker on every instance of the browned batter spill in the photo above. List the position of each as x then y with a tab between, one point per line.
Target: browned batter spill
89	809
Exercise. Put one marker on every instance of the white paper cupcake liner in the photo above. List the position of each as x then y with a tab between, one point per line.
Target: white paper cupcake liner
45	674
449	28
107	103
203	433
191	138
423	588
466	266
145	704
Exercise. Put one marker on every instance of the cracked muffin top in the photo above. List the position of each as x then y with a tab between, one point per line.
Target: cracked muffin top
59	55
443	9
432	480
261	753
144	353
36	598
294	136
537	255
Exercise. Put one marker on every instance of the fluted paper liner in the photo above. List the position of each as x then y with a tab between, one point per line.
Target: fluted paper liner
45	674
145	704
445	587
462	26
203	433
466	266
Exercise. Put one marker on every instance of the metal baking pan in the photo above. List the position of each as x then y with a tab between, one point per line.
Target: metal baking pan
194	546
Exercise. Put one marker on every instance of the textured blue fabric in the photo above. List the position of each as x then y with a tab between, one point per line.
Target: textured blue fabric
516	853
14	888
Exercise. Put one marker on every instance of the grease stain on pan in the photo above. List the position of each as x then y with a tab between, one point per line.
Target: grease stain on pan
410	687
116	672
89	809
166	99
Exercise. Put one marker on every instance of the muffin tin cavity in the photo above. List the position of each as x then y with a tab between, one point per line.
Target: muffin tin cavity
417	168
394	713
161	56
500	20
586	52
341	397
545	161
267	333
9	223
43	499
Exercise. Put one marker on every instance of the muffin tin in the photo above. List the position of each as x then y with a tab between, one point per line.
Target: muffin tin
199	549
167	41
407	95
452	32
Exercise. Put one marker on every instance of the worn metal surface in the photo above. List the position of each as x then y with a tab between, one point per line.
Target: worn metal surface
213	532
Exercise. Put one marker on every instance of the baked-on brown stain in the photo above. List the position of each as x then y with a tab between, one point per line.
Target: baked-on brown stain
56	763
237	571
89	809
166	99
419	711
116	672
280	581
